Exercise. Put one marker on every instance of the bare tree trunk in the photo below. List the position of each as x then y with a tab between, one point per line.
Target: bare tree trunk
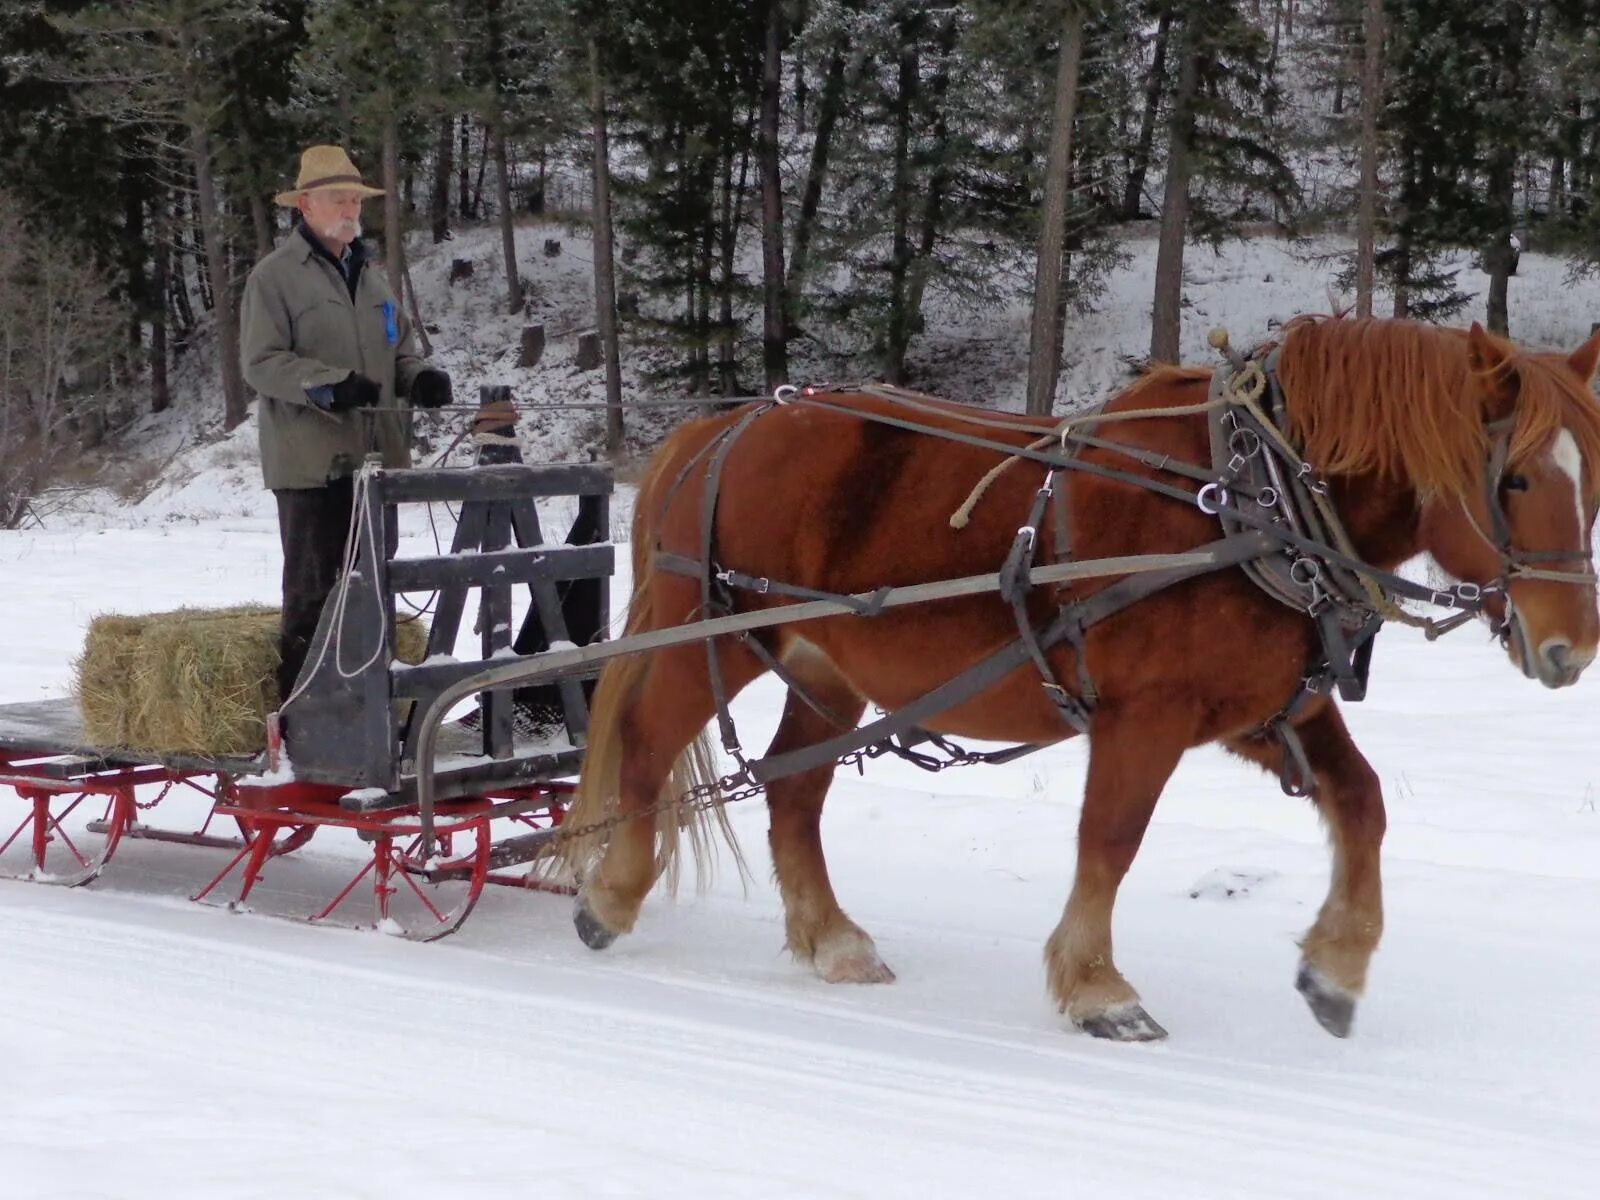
393	223
900	208
1166	312
416	313
1367	213
160	391
775	324
705	185
1155	83
1502	177
938	180
508	230
731	203
131	182
439	206
1402	227
605	287
463	169
483	164
235	398
811	198
1044	345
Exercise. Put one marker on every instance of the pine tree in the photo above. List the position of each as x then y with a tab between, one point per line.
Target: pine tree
160	68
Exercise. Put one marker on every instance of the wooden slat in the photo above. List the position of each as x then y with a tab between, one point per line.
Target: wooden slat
512	481
501	567
428	680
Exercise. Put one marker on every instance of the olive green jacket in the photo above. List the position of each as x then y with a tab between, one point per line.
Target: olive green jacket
299	329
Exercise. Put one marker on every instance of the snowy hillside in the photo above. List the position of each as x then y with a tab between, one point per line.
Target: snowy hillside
179	467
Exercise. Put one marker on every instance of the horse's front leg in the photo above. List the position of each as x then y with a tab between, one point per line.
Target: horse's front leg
1339	945
817	930
1131	756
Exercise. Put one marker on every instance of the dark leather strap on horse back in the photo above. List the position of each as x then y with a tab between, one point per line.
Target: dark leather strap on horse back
1061	534
1015	586
714	596
987	672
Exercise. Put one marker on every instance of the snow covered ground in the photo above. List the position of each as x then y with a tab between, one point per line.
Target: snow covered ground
152	1048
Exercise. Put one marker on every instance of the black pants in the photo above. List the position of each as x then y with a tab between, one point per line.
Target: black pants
312	524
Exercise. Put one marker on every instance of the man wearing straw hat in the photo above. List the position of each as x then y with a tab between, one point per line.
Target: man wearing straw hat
324	342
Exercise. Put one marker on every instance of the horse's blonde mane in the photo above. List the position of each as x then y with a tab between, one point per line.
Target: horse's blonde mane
1397	397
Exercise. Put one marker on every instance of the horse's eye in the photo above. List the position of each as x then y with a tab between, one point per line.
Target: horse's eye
1514	483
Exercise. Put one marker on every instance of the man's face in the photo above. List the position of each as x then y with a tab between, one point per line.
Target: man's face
333	214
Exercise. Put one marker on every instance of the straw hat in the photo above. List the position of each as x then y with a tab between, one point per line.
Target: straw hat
323	167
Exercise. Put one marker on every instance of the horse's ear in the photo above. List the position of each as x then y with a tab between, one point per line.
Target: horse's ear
1586	357
1483	354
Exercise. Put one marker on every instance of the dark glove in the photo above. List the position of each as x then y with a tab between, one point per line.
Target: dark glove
430	388
354	391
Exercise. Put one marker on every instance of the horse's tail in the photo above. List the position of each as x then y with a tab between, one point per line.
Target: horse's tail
597	796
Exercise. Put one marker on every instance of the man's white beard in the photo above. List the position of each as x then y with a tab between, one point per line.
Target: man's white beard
344	230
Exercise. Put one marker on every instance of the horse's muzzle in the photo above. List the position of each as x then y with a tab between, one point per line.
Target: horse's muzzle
1558	665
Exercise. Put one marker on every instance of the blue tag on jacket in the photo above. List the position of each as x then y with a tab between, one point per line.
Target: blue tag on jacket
391	330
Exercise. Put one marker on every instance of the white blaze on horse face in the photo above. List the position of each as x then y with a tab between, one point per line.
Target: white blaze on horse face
1568	458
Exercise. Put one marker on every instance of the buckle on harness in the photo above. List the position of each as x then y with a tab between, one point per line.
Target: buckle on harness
760	585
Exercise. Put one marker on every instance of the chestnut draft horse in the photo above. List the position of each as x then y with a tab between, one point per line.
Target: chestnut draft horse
1428	439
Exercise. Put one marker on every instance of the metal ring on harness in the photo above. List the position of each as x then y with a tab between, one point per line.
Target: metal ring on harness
1267	497
1244	441
1218	499
1305	571
784	393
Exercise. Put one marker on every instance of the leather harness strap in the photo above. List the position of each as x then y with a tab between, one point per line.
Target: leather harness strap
1277	529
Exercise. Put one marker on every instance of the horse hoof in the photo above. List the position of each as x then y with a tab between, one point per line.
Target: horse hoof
1124	1023
855	968
847	955
595	935
1332	1006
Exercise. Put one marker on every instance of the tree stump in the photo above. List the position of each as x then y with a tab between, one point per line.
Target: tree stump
552	247
532	346
588	351
460	268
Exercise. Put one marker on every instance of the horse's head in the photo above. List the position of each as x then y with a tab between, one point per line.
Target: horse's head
1524	532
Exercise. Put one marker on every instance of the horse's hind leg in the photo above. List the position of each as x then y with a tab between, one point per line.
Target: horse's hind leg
816	928
1339	945
1130	761
659	718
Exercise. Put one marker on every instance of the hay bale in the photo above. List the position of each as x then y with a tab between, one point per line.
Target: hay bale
104	675
194	681
205	681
